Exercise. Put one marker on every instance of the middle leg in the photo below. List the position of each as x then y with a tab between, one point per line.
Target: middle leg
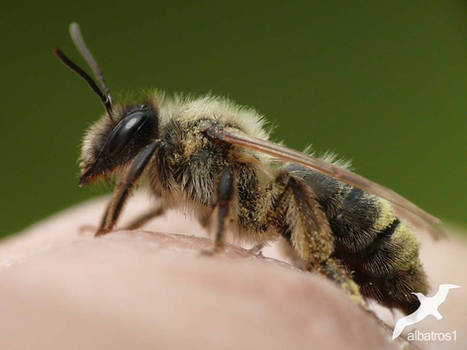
225	193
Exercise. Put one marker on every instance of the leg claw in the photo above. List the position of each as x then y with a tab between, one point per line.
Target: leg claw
212	251
256	250
101	232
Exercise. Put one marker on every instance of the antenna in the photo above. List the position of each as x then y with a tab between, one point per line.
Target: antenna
78	40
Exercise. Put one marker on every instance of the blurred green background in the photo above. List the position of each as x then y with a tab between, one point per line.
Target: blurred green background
381	83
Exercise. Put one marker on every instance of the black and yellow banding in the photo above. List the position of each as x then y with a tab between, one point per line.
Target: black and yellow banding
303	224
379	250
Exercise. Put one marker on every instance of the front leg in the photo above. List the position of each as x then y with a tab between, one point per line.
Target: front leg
225	194
120	196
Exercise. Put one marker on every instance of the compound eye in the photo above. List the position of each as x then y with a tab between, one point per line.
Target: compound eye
137	129
125	131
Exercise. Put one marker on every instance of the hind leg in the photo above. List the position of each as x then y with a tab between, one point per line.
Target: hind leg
306	229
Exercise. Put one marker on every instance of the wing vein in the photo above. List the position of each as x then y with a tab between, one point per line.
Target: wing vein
235	137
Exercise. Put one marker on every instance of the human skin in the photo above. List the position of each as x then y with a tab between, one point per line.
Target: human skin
152	289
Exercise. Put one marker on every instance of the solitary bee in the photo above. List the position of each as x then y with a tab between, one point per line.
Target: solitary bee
213	157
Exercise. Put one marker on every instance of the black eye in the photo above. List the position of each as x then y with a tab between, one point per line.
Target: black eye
126	129
134	131
137	129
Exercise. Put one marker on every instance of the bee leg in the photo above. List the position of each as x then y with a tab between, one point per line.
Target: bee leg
225	190
133	225
204	220
117	202
256	249
307	230
337	273
145	217
300	220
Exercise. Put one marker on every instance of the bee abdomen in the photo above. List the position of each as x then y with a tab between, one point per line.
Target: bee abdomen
384	262
360	222
379	250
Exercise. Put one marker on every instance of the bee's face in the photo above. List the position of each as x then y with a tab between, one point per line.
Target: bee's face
118	136
113	142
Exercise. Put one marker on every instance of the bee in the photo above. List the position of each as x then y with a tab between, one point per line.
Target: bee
214	158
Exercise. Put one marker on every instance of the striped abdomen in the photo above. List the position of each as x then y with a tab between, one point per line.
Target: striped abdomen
380	251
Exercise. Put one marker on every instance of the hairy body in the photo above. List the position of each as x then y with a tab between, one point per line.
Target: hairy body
352	237
213	158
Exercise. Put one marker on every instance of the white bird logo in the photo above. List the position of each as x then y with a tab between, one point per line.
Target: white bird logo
428	306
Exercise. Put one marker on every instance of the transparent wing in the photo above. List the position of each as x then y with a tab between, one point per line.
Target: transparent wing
236	137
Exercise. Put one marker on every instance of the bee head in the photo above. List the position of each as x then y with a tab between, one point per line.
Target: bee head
109	144
118	136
